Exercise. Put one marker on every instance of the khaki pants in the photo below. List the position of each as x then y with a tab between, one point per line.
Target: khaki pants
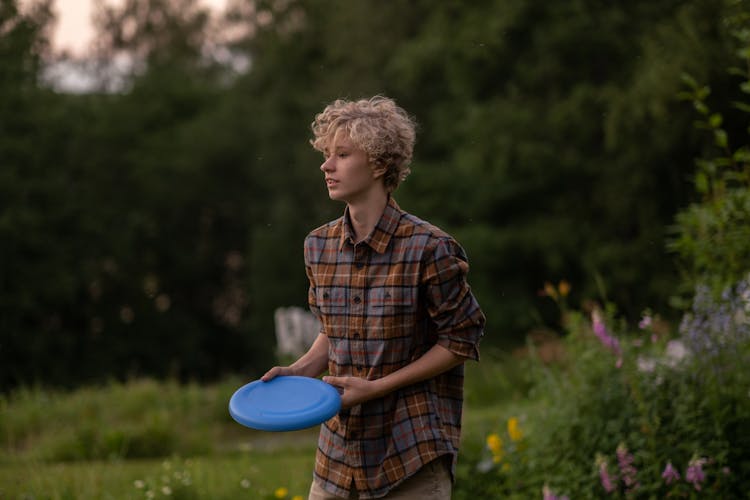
431	482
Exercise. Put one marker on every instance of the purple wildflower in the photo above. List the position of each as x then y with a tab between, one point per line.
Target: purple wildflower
694	473
600	330
628	471
608	481
716	324
670	474
547	494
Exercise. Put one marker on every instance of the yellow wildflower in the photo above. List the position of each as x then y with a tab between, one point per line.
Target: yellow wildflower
505	467
297	497
564	288
281	492
514	430
495	443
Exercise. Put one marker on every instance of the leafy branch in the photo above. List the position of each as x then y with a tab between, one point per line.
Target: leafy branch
713	235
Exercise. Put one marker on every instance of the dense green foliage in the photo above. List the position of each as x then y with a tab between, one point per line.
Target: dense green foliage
665	403
659	412
711	235
154	229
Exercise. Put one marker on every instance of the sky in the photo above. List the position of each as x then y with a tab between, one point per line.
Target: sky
73	30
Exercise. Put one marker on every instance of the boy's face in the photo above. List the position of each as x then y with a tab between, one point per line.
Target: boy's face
349	176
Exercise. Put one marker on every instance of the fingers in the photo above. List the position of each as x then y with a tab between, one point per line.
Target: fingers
336	381
273	373
352	390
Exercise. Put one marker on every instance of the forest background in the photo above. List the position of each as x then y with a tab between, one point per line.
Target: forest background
151	225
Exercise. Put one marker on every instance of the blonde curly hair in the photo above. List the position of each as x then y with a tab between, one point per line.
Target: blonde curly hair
378	126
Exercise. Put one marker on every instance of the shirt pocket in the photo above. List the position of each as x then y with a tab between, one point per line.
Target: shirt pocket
391	311
332	303
387	300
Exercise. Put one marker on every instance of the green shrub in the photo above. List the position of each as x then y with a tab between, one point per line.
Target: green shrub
711	237
647	414
630	412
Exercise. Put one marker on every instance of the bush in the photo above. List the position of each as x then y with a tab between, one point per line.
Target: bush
651	414
638	414
711	237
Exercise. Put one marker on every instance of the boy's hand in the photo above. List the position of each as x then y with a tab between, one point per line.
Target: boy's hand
353	390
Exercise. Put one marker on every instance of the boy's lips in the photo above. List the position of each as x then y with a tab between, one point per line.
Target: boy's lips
330	182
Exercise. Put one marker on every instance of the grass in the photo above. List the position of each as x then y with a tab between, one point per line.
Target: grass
246	475
265	463
151	439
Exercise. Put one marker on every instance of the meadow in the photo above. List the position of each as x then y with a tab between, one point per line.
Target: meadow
583	175
142	439
608	410
161	439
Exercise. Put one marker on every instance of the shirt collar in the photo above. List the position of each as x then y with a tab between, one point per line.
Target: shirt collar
380	237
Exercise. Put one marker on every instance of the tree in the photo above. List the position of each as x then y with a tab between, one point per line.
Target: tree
564	121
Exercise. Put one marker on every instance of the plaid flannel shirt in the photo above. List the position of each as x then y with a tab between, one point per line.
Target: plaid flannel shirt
383	303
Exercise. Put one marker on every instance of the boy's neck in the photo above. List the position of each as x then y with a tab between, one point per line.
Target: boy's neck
365	215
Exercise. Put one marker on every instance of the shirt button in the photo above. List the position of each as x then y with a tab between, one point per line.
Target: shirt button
356	335
360	265
357	299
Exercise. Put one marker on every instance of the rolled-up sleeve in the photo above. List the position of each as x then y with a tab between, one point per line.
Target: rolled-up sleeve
450	303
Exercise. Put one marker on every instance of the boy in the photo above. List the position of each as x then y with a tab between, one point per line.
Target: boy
398	317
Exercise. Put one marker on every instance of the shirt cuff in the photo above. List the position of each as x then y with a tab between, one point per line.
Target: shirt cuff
468	350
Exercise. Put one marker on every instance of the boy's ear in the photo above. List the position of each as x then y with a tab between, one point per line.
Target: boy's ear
378	169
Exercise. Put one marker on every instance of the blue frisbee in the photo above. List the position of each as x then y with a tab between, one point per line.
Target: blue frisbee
287	403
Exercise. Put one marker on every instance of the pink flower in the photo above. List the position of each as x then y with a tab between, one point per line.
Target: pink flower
694	473
670	474
627	469
547	494
608	482
600	330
